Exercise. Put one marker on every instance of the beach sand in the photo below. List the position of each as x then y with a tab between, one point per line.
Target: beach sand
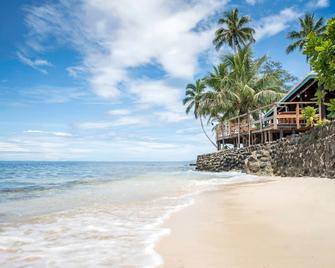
278	222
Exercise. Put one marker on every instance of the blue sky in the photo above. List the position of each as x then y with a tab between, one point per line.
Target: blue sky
101	80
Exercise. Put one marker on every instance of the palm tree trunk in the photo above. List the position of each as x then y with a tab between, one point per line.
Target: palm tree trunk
203	129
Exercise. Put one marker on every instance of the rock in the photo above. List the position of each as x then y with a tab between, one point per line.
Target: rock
306	154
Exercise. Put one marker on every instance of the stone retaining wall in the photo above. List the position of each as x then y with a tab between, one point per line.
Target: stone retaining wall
307	154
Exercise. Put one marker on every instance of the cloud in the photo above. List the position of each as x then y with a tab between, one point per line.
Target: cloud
155	94
50	94
119	112
11	148
112	37
251	2
188	131
170	117
318	4
274	24
121	121
36	64
51	133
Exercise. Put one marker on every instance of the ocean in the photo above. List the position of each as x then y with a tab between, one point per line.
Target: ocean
94	214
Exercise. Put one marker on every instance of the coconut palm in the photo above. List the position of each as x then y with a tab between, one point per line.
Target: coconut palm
233	31
240	86
194	100
308	24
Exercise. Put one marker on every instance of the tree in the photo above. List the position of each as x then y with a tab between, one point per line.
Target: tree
276	68
321	52
238	86
308	24
193	100
233	31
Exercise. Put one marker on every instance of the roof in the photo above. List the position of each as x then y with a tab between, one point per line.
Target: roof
295	89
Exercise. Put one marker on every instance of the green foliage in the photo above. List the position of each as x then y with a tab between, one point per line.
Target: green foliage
308	24
331	108
233	31
276	68
310	116
237	86
193	97
193	100
321	52
319	96
321	122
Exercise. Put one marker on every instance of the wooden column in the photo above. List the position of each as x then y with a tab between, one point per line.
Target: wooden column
297	115
229	129
238	133
265	136
275	121
249	128
262	137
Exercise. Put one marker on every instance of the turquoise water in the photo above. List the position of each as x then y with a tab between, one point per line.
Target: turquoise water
93	214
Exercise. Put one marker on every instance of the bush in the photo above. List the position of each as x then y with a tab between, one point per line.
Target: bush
310	116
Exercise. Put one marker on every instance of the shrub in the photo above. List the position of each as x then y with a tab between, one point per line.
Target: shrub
310	116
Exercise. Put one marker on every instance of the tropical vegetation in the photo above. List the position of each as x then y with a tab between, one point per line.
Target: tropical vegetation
194	101
241	82
310	115
237	86
308	24
233	31
320	49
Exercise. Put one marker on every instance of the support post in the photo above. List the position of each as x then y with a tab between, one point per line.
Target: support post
238	133
249	127
297	115
265	136
229	129
275	121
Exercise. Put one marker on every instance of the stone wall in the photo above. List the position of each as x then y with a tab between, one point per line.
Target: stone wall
307	154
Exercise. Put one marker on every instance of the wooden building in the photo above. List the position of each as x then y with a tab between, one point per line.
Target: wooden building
274	121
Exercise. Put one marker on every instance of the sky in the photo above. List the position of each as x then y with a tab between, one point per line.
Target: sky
103	80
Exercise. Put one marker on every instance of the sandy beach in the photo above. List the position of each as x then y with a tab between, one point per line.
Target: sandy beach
278	222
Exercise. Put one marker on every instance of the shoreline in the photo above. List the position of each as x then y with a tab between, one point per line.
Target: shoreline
274	222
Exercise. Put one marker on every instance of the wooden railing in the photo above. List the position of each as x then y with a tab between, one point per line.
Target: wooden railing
274	116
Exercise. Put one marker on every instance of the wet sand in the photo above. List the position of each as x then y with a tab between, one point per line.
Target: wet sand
278	222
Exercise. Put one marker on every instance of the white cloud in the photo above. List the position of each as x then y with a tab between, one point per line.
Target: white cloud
318	4
49	94
11	147
155	94
36	64
170	117
121	121
52	133
119	112
274	24
251	2
112	37
189	131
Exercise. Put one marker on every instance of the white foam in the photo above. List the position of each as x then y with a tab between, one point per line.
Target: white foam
99	229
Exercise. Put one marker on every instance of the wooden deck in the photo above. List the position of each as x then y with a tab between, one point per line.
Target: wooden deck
263	125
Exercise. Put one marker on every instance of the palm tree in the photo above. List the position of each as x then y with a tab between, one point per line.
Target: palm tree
240	86
308	24
234	31
193	99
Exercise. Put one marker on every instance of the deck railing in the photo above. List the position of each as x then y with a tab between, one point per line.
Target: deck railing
283	115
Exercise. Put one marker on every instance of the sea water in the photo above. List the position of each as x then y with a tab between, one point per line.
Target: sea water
93	214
